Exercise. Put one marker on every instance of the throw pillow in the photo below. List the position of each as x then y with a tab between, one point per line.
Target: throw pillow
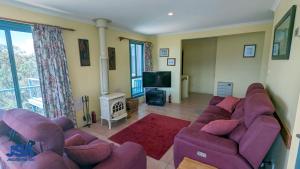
228	103
75	140
89	154
220	127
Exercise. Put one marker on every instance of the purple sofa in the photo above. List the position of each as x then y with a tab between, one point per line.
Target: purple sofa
49	137
245	147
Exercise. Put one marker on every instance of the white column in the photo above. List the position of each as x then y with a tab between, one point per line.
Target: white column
103	59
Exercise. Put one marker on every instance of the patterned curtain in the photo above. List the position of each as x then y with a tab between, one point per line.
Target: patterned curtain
53	72
148	56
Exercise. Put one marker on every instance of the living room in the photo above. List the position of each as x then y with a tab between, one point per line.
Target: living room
111	52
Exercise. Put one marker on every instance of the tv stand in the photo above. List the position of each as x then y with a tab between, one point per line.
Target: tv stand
156	97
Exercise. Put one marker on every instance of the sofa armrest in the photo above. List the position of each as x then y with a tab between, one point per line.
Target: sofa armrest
128	156
64	123
215	100
208	141
46	160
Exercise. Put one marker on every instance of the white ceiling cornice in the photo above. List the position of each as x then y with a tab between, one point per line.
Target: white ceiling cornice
275	5
218	27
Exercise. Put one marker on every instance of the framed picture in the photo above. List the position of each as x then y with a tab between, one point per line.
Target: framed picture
283	35
164	52
84	52
112	58
249	51
171	61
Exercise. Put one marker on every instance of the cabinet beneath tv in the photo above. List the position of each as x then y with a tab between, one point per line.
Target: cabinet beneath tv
156	97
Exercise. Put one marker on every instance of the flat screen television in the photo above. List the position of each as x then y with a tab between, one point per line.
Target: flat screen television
157	79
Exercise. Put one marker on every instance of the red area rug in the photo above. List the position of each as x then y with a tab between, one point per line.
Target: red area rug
154	132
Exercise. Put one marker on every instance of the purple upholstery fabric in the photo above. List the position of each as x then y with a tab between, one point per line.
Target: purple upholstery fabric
239	111
220	127
228	103
87	137
5	148
208	140
89	154
128	156
256	105
69	163
46	160
254	86
64	123
215	100
75	140
225	159
4	129
212	113
238	132
2	114
245	147
253	91
258	139
37	128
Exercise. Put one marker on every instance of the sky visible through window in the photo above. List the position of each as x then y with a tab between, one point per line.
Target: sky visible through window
22	40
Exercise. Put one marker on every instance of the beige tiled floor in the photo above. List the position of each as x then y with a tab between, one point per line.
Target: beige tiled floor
189	109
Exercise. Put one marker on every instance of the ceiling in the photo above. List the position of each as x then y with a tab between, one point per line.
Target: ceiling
151	16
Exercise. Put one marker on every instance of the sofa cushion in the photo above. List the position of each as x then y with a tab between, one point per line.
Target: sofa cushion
46	160
69	163
212	113
220	127
89	154
256	105
215	100
239	112
64	123
228	103
46	134
258	139
254	86
238	132
86	136
193	135
256	91
75	140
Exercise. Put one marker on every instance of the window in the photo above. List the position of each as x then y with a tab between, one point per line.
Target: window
19	79
137	68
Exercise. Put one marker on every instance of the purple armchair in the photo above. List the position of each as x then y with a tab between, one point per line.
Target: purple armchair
245	147
49	148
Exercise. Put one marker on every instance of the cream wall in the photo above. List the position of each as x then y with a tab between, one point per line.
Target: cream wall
173	42
283	82
232	67
119	79
84	80
199	62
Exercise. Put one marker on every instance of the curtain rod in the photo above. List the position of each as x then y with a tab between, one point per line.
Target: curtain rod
124	38
32	23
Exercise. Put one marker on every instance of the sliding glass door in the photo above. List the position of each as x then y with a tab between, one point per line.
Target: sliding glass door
19	80
7	90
